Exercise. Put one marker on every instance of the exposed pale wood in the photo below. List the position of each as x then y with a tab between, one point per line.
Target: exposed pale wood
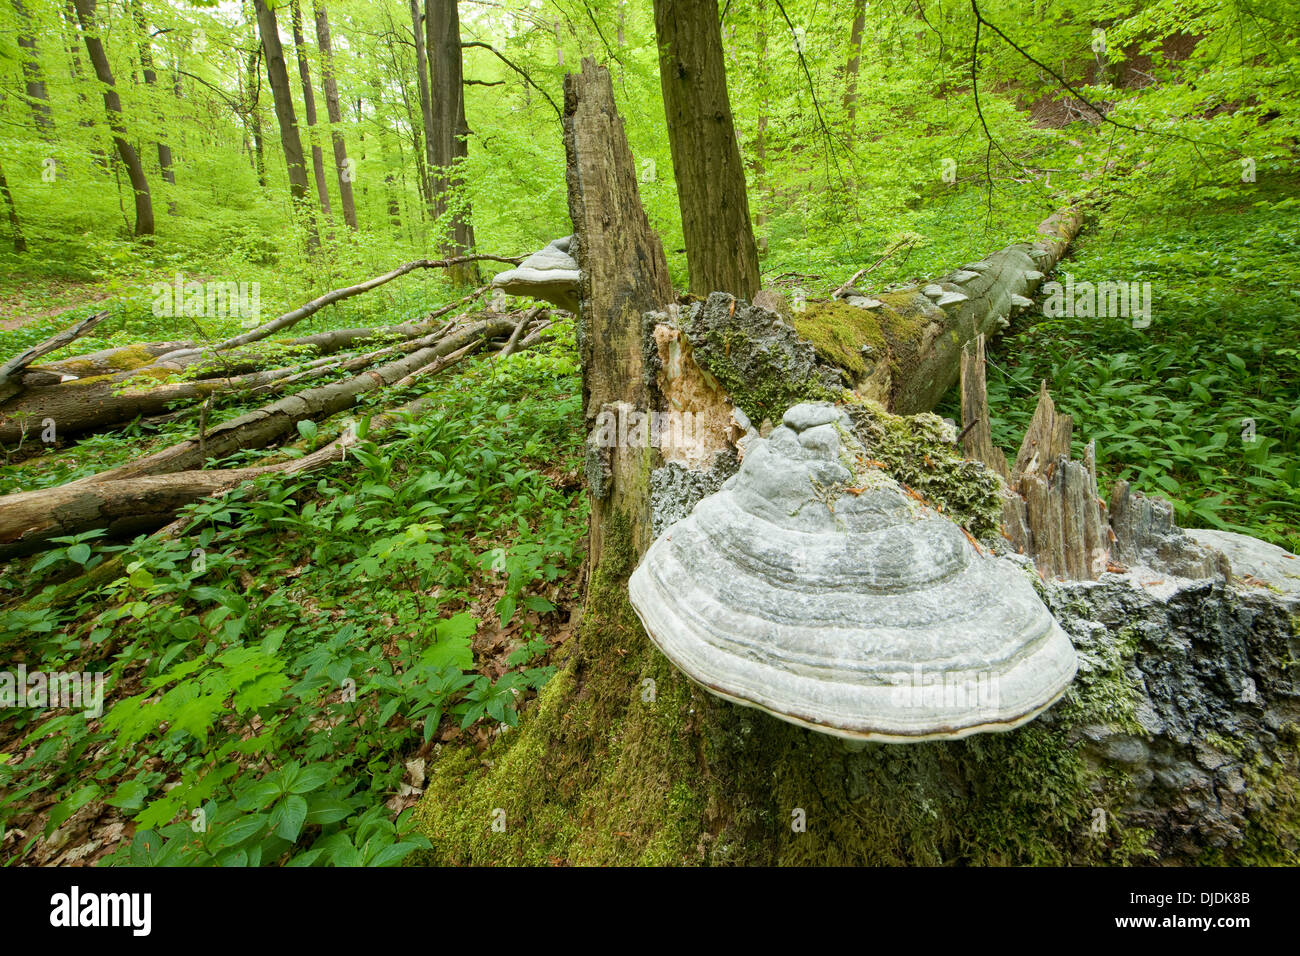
1047	438
977	435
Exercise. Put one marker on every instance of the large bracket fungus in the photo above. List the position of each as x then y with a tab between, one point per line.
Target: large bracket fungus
550	274
812	586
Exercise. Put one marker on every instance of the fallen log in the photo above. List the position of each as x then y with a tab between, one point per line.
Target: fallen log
144	495
903	348
52	344
261	427
329	298
123	362
85	405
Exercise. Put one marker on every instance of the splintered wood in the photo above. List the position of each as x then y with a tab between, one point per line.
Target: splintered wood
1052	510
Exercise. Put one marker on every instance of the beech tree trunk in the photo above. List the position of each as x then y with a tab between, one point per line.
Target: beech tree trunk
151	81
20	243
254	115
37	95
144	223
277	75
341	164
309	110
447	129
855	60
720	249
426	107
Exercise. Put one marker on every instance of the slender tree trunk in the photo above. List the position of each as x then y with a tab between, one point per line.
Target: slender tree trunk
720	247
426	107
144	225
37	95
390	194
760	143
335	114
20	243
447	129
277	74
309	108
151	81
855	61
97	155
254	117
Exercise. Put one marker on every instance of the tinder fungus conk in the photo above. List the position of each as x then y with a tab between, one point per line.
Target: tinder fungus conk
813	587
549	274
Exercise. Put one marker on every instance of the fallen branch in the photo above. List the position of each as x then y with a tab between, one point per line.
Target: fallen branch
131	499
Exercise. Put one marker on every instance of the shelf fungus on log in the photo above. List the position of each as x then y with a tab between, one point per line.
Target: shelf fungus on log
814	587
550	274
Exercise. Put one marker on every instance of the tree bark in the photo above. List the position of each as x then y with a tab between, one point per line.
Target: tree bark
309	110
151	81
144	223
254	116
37	95
447	130
426	107
624	274
277	74
15	225
915	341
341	164
720	249
855	60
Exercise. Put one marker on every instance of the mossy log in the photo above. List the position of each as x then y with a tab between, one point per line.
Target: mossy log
1155	752
903	348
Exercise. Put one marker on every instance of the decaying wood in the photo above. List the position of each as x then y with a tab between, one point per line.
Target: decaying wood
977	434
146	494
1051	507
259	428
53	343
624	274
338	295
232	356
925	339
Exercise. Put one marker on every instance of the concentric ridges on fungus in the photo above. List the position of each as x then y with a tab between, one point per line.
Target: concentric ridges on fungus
849	609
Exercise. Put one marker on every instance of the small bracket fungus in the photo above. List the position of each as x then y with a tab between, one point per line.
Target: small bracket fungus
812	586
550	274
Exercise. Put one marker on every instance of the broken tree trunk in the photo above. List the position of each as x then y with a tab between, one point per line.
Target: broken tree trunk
903	348
623	274
96	399
622	760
